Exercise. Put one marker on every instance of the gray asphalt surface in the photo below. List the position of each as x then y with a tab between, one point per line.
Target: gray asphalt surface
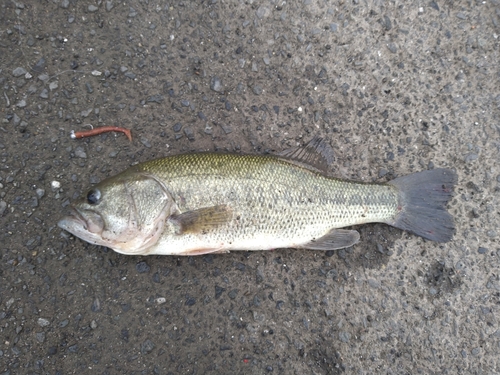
395	88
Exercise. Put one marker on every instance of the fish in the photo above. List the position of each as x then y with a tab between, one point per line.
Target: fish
202	203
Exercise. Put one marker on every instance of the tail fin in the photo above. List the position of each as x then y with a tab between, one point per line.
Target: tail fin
422	200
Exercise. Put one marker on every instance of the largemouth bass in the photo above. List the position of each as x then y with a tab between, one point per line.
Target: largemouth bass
212	203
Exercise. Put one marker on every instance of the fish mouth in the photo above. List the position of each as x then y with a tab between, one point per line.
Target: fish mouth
82	224
73	221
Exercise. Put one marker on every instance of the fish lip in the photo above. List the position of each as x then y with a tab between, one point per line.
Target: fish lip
74	217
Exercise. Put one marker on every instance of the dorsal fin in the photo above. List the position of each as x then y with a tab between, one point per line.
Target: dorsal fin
316	154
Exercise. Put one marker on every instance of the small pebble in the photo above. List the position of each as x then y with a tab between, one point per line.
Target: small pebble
469	158
142	267
482	250
19	72
80	153
39	66
491	233
227	129
189	133
392	47
146	142
34	202
374	283
3	207
42	322
344	336
96	305
147	347
218	291
40	336
257	90
216	84
382	172
158	98
52	350
262	12
233	293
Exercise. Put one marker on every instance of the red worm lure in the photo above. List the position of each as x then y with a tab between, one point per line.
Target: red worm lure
102	129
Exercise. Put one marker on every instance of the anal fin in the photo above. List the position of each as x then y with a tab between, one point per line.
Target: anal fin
335	239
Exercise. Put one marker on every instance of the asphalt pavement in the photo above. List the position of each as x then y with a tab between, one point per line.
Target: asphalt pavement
394	87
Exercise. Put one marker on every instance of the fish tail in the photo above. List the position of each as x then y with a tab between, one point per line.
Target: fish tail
422	204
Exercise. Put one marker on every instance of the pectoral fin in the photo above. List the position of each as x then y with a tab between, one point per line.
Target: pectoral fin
333	240
200	221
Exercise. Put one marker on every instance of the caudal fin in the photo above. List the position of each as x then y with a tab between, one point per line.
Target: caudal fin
422	200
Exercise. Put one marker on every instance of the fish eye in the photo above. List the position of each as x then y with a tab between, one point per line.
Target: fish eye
93	196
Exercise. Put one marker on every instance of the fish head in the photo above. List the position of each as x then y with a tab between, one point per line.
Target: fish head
126	213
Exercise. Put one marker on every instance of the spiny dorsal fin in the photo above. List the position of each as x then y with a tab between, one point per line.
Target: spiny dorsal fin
201	220
316	154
